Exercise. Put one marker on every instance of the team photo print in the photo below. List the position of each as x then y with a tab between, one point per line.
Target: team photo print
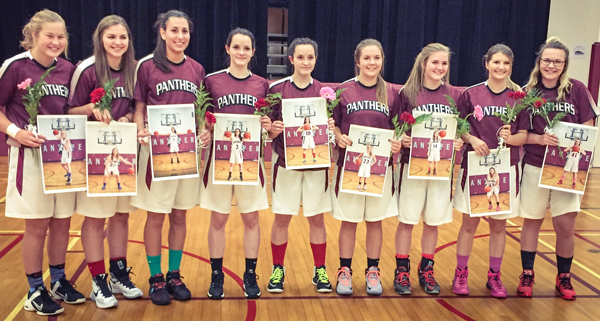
366	161
305	133
566	166
173	147
111	156
236	149
63	153
432	147
489	183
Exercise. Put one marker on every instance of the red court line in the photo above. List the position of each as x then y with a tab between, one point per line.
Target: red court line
579	236
10	246
454	310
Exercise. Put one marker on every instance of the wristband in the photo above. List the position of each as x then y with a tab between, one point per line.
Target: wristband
12	130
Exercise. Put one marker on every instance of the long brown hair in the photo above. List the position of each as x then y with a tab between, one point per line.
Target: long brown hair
414	84
505	50
35	25
564	84
160	51
382	96
127	60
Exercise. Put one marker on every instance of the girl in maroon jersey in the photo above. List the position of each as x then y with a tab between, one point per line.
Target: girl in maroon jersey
427	200
550	77
167	64
113	58
291	187
491	96
234	90
369	90
45	39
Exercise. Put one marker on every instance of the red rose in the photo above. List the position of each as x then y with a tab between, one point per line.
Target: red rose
407	118
97	95
210	118
521	95
259	104
538	104
511	95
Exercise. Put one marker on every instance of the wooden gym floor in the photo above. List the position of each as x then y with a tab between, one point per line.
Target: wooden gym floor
300	301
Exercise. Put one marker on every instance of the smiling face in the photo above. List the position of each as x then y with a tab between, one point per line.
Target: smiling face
492	171
499	66
176	35
51	41
304	60
436	67
552	65
370	62
237	132
240	50
115	41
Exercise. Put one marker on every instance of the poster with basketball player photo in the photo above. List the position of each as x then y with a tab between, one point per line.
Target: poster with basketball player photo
305	133
173	150
63	152
566	166
432	147
236	149
111	156
366	161
489	183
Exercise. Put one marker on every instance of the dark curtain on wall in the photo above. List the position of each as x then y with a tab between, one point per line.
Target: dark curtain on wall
213	19
468	27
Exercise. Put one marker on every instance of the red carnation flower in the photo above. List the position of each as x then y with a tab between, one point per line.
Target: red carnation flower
407	118
210	118
538	104
97	95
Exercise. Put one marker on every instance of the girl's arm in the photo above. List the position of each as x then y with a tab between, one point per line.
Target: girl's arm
518	139
124	160
374	160
301	128
497	179
138	118
342	139
479	146
128	118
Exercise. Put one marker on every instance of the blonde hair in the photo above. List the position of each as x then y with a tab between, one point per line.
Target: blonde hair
127	60
34	26
381	93
414	84
505	50
564	83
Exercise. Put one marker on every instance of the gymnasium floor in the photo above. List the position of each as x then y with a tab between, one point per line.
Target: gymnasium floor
300	301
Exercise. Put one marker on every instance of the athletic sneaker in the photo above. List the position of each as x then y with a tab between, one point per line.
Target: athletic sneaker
63	290
434	172
277	279
365	186
321	280
460	284
69	180
495	285
498	208
559	182
304	161
314	160
176	287
344	281
373	280
101	294
402	282
124	285
215	291
427	280
564	287
158	291
526	283
251	289
358	187
41	302
490	207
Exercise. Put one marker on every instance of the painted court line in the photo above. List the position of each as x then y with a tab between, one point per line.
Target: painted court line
590	214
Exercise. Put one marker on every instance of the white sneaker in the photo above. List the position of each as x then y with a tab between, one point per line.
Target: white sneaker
101	294
125	286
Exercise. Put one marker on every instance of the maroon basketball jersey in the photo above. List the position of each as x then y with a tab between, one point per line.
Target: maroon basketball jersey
234	95
428	101
288	89
154	87
579	106
487	128
84	82
358	105
56	92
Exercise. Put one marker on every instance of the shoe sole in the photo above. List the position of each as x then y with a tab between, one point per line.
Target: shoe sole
58	297
274	290
252	296
570	298
115	290
495	296
215	297
344	294
42	313
93	298
404	293
325	290
434	292
525	294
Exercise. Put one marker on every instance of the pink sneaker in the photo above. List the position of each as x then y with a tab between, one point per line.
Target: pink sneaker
495	285
460	284
498	208
490	207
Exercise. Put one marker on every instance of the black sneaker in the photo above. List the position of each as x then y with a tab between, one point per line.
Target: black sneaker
427	280
250	286
277	279
40	302
216	285
63	290
158	291
176	287
321	280
402	282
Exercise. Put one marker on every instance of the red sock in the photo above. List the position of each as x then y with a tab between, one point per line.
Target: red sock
97	268
314	155
319	251
427	256
303	155
278	253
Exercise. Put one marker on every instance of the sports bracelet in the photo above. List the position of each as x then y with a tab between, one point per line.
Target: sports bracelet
12	130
